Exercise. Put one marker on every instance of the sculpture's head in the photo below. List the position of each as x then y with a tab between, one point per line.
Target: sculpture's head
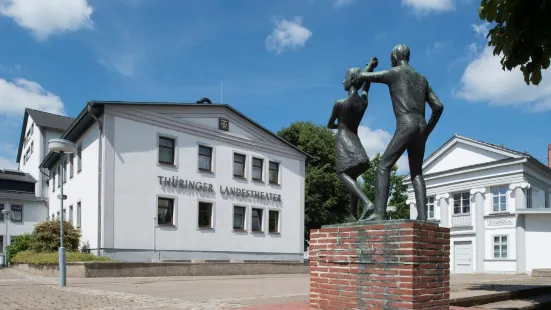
399	53
347	83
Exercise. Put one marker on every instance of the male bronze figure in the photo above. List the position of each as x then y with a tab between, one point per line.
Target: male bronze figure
351	160
409	90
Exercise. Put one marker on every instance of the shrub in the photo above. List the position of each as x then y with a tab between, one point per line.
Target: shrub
20	243
29	257
46	237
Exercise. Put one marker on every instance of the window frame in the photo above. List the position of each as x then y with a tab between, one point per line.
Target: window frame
174	204
261	221
278	171
12	212
64	164
70	217
244	163
2	205
59	175
243	218
461	206
174	152
212	214
528	193
211	158
500	244
79	158
71	165
79	214
500	197
431	202
261	169
278	222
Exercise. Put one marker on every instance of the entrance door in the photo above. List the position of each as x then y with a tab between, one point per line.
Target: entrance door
463	256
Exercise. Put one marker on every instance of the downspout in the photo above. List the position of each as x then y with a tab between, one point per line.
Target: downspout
100	162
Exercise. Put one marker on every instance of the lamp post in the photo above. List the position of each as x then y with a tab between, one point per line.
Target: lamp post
390	209
62	147
6	214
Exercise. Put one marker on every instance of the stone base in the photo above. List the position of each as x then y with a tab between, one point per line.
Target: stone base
396	264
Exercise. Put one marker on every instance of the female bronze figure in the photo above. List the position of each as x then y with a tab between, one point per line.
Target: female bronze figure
351	160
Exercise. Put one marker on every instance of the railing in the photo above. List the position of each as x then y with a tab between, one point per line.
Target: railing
461	220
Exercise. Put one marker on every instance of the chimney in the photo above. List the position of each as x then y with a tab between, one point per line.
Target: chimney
549	155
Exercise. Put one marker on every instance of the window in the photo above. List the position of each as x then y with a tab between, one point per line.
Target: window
166	151
57	215
71	164
79	212
529	197
79	158
64	214
499	194
53	179
430	204
274	172
64	171
239	218
205	158
273	221
239	165
17	213
546	202
1	214
70	219
165	211
2	243
500	246
205	215
256	223
461	203
257	169
59	175
32	147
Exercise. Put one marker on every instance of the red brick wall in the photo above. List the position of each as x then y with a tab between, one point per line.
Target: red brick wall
401	264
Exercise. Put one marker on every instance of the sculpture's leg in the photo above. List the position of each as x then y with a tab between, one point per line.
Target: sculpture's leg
353	208
416	153
394	150
355	191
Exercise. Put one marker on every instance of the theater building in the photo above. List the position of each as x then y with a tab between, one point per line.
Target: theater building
496	202
162	181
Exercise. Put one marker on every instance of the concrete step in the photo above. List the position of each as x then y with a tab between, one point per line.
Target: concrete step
537	302
541	273
519	293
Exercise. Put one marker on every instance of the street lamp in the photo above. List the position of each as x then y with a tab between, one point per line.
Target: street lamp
62	147
6	214
390	209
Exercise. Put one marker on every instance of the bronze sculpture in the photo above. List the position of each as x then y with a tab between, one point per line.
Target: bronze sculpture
351	160
409	90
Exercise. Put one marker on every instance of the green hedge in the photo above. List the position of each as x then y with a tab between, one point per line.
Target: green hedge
29	257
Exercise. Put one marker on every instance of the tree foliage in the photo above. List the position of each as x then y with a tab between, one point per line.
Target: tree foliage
20	243
522	33
326	199
397	189
46	236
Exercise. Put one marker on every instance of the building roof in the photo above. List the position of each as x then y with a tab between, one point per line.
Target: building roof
94	109
16	175
42	119
21	196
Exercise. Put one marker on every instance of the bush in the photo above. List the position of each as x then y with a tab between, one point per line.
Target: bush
20	243
29	257
46	237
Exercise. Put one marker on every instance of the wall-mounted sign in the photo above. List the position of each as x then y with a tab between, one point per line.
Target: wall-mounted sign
246	193
223	124
185	184
500	222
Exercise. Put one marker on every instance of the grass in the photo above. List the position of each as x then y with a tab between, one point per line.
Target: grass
29	257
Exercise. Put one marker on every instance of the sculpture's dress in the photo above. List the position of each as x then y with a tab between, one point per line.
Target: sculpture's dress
350	155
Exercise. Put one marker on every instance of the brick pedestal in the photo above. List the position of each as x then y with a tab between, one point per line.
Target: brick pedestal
396	264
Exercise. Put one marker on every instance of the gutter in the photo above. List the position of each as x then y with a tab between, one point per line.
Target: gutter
100	162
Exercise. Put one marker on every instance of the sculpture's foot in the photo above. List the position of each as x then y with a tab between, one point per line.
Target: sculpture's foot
374	217
367	207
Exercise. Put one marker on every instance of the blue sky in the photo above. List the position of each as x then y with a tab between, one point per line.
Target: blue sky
278	61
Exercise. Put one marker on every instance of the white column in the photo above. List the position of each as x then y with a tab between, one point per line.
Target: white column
442	200
520	232
412	209
480	228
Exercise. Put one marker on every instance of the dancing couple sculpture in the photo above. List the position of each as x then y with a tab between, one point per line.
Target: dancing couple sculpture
409	91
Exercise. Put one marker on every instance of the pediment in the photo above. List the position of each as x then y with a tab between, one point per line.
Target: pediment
463	152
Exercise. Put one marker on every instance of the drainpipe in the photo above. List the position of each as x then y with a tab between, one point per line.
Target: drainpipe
100	162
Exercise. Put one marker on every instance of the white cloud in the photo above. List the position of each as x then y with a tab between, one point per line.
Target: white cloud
339	3
376	141
21	94
47	17
423	7
484	80
7	163
287	34
482	29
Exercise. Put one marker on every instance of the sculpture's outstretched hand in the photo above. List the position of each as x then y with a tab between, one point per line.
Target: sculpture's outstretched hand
372	64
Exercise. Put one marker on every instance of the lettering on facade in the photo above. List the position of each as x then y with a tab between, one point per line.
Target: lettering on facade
185	184
500	222
223	124
249	193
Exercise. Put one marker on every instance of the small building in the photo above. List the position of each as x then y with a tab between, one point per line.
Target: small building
496	202
17	194
168	181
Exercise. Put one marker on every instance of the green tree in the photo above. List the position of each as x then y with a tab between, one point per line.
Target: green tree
521	32
326	199
397	189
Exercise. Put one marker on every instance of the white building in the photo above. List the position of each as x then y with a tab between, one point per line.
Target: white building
496	202
180	182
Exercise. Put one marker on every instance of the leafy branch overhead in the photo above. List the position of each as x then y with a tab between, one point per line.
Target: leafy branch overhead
521	33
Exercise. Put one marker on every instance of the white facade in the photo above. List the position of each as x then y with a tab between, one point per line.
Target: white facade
24	215
496	202
123	155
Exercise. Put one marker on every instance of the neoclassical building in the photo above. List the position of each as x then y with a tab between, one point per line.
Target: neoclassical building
496	202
